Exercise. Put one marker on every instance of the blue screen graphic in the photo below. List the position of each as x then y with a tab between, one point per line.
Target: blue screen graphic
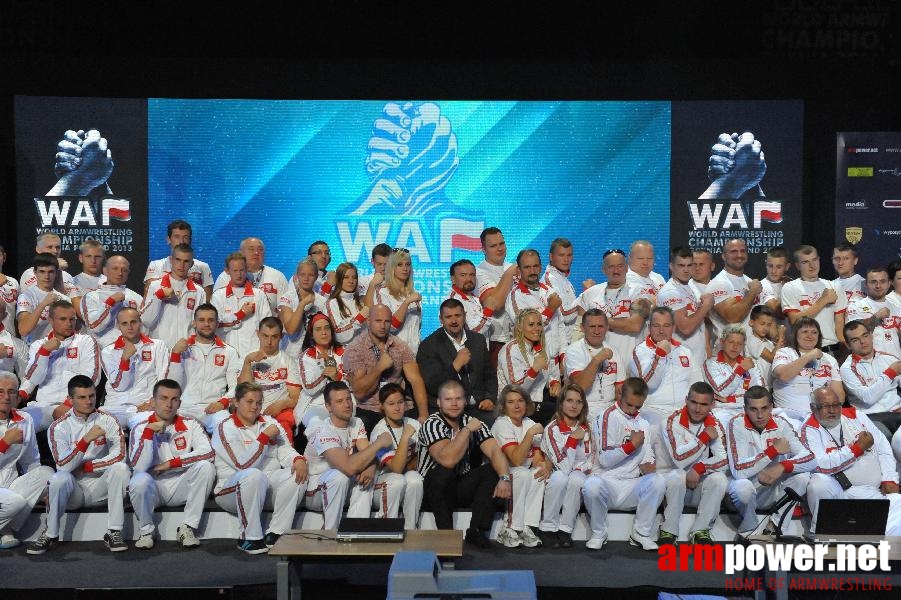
426	176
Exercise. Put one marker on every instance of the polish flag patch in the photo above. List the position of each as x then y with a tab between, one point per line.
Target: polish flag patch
71	352
684	361
219	360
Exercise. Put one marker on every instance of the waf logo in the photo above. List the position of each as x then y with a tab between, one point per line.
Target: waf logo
81	212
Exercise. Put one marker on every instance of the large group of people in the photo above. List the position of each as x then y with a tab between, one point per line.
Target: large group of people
535	397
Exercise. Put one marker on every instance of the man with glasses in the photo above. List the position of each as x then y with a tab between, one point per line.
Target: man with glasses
627	309
854	461
322	256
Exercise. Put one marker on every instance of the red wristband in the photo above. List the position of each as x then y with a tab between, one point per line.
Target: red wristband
263	439
87	466
571	442
175	357
699	468
395	322
299	457
110	302
360	318
487	312
788	465
547	312
224	402
240	315
159	294
890	373
81	445
175	463
531	373
124	364
660	352
3	446
629	447
739	370
148	434
326	288
771	452
856	450
705	439
43	351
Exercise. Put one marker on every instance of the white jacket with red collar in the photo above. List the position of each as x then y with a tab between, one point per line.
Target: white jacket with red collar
98	310
731	382
50	372
478	318
689	447
872	384
565	452
615	454
239	447
347	327
750	451
170	319
839	451
181	443
237	328
312	376
18	458
668	375
14	357
515	366
131	381
205	378
522	297
70	450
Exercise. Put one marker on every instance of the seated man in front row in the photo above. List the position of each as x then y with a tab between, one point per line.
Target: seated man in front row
340	458
88	447
765	457
173	465
255	465
854	459
694	466
448	441
624	445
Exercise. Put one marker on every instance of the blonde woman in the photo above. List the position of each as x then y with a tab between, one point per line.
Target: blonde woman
398	294
297	304
524	360
566	444
520	440
345	306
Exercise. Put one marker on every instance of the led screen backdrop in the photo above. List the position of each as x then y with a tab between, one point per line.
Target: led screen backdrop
425	175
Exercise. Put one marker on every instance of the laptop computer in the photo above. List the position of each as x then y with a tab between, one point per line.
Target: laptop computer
852	521
352	529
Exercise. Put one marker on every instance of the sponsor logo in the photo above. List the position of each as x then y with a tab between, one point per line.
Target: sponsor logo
859	205
891	204
853	150
893	149
860	171
727	215
895	172
853	234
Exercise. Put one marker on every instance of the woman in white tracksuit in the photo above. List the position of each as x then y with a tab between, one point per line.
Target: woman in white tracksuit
566	444
520	439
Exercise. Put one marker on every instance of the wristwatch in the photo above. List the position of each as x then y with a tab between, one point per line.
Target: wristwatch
505	477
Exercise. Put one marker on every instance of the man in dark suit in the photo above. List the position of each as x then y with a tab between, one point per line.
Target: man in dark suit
453	352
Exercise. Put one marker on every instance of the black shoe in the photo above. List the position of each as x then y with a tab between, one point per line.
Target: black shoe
549	539
271	538
42	544
477	539
114	541
566	539
253	546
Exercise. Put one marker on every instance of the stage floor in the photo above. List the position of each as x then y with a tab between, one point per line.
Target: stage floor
218	570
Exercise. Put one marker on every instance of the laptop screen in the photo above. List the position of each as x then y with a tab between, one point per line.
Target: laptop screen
852	517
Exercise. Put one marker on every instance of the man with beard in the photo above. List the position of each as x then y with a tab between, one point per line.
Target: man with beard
854	460
455	353
463	284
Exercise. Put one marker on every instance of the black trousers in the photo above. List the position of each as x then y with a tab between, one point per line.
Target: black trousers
444	491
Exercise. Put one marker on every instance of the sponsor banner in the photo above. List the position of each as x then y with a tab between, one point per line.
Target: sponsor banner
81	170
868	195
736	172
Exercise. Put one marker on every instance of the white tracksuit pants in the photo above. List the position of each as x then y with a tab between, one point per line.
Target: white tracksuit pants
524	506
327	492
562	501
388	491
748	495
69	492
247	492
826	487
190	487
707	497
602	492
19	498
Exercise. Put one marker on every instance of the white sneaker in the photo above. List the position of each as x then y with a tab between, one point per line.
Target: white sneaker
8	540
528	538
596	542
145	542
642	541
186	537
509	538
